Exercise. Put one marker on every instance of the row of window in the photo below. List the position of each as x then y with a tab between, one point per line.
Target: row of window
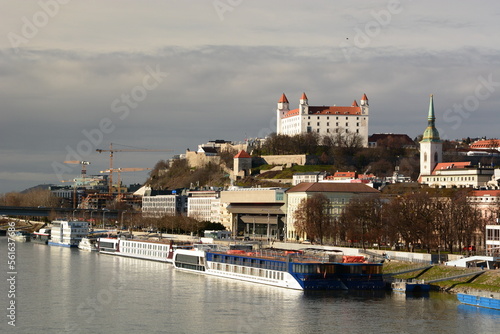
227	268
451	178
336	118
332	269
250	262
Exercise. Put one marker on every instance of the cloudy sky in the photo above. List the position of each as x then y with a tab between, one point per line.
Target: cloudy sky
169	75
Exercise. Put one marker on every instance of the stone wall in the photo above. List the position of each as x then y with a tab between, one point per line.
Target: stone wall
288	160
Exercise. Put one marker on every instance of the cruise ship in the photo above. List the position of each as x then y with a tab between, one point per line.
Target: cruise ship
68	233
300	270
155	250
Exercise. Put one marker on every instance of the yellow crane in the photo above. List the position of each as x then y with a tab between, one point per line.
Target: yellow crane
111	152
120	170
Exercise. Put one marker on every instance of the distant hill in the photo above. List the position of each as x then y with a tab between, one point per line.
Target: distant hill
38	187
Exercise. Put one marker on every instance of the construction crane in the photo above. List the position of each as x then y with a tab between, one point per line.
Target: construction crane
83	182
112	150
83	163
120	170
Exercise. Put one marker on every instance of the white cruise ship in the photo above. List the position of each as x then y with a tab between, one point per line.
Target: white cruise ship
154	250
68	233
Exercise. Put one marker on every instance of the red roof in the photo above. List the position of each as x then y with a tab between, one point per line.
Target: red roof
242	154
304	97
490	192
364	97
283	99
489	143
327	110
451	165
354	104
345	174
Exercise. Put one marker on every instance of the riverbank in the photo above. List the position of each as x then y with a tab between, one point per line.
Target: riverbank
487	281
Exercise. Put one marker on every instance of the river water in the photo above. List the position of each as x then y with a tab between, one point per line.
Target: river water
62	290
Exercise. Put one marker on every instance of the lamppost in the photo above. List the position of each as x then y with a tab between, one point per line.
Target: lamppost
122	218
74	214
91	212
103	213
439	254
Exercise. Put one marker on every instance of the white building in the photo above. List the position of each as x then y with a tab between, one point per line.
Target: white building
493	240
308	177
204	206
324	120
163	205
458	175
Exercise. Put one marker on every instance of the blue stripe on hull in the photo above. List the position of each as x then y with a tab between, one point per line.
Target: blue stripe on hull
59	244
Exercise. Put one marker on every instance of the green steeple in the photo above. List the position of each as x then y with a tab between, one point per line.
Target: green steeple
431	134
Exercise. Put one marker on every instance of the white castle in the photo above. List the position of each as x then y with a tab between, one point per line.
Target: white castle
324	120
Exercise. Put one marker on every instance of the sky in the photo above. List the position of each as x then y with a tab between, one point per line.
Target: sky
76	76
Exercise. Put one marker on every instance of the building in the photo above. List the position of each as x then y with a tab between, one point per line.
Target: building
324	120
308	177
487	201
339	195
204	205
489	144
391	140
157	204
458	175
242	165
493	240
254	212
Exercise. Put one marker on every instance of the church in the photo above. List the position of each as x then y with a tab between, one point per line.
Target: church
324	120
438	174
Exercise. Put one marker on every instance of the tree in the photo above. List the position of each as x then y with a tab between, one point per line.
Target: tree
312	218
362	220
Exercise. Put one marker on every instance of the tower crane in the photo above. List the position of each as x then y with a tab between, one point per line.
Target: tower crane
111	152
120	170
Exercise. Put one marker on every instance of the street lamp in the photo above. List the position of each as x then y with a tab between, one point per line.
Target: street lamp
74	214
122	218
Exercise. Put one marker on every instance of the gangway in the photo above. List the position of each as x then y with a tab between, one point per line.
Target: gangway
408	270
476	272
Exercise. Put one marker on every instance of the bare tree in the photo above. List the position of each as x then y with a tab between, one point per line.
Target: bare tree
313	219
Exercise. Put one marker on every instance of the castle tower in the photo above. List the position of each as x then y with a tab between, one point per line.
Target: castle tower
283	107
303	104
242	165
431	146
364	105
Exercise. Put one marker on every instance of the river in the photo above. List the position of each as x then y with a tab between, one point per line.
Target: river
62	290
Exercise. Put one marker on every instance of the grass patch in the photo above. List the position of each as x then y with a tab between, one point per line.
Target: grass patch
488	281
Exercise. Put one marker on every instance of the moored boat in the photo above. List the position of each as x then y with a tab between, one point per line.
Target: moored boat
488	299
410	286
146	249
21	236
68	233
88	244
289	269
41	237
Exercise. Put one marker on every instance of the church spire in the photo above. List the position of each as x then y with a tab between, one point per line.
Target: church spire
431	134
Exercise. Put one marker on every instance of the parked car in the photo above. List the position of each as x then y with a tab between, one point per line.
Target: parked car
470	248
